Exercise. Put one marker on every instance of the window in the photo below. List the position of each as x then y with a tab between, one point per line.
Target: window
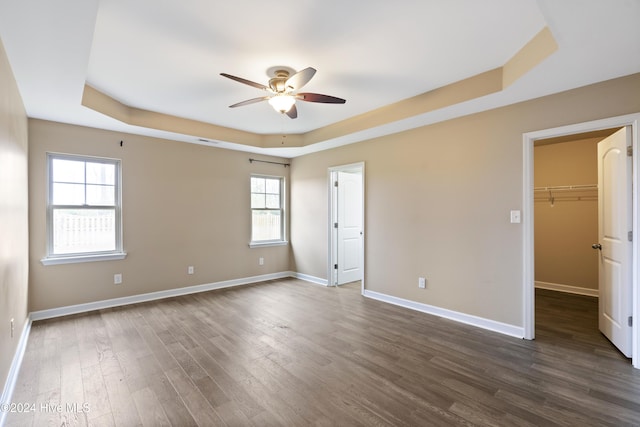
84	220
267	212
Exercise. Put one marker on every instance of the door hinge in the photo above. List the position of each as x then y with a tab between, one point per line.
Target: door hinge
630	321
630	236
335	183
335	266
335	225
630	151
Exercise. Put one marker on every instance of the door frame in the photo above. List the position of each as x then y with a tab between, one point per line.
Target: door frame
528	286
333	205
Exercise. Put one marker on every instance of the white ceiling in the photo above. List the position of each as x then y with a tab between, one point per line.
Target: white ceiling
166	56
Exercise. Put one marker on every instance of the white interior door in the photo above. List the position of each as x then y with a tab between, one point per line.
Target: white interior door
614	225
349	229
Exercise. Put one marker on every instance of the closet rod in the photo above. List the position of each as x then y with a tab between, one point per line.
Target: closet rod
568	188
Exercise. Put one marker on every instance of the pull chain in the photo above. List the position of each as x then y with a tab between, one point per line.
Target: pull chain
282	120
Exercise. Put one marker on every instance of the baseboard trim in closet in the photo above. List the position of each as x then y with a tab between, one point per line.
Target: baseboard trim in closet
567	289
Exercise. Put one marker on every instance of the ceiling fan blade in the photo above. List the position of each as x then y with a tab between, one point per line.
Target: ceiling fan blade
249	101
300	78
318	97
245	81
293	112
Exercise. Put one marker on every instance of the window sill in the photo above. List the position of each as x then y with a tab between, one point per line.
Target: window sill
82	258
267	244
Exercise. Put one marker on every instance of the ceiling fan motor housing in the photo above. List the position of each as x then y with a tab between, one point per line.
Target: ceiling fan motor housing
277	84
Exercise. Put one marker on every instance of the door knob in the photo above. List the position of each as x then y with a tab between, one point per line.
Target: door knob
597	246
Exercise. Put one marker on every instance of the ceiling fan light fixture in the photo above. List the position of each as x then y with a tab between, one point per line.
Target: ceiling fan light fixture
283	91
282	103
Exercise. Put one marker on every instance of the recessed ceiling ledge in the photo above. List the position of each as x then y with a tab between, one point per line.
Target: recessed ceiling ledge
541	46
102	103
283	141
474	87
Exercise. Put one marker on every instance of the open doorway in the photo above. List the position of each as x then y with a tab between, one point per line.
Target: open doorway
346	224
567	259
629	122
566	212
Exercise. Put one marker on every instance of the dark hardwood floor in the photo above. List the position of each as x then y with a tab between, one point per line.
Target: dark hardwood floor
289	353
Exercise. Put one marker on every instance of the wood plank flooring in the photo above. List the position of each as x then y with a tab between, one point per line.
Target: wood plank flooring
289	353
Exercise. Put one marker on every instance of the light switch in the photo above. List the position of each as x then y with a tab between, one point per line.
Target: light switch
515	217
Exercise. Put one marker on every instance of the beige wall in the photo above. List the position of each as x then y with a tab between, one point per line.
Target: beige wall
437	205
14	227
565	230
438	201
183	204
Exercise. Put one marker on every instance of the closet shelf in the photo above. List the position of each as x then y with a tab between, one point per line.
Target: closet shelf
586	192
585	187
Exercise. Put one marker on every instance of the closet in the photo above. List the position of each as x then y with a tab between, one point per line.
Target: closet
566	214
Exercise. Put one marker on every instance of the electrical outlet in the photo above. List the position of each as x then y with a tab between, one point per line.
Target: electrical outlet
422	282
190	269
117	279
12	328
261	261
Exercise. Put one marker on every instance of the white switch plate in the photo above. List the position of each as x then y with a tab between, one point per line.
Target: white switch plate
515	217
422	282
117	279
261	261
190	269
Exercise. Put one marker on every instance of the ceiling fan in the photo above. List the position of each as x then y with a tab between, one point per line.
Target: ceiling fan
282	91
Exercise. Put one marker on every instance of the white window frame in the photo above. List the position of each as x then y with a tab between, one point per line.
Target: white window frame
118	253
283	214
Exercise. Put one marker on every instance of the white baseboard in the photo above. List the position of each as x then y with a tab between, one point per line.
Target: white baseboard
115	302
312	279
152	296
10	384
567	288
492	325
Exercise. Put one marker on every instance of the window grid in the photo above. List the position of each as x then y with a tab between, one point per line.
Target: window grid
267	212
80	223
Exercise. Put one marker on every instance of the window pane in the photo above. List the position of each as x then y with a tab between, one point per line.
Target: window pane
273	201
101	195
78	185
68	194
273	186
257	185
83	230
266	225
101	173
257	201
67	170
266	203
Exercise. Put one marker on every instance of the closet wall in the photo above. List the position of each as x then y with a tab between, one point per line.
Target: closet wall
566	220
